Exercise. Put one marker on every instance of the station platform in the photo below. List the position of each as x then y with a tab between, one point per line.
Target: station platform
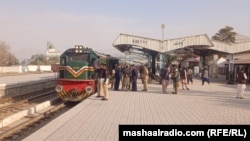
97	120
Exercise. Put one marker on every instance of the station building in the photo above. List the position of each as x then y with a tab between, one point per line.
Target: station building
210	52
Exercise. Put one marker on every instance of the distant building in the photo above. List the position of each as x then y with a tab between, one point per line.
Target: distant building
217	68
242	60
240	38
191	62
52	52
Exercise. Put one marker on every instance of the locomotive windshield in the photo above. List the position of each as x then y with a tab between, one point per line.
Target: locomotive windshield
78	57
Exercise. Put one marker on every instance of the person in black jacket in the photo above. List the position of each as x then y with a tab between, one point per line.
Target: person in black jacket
134	76
241	86
104	84
97	76
126	77
117	77
165	78
183	75
175	76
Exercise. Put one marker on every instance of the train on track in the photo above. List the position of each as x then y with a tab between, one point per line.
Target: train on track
76	80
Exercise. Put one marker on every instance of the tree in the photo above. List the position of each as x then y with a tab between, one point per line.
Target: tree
6	57
225	34
38	59
170	58
186	56
53	60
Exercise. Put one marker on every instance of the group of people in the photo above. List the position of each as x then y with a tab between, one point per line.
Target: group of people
128	75
184	75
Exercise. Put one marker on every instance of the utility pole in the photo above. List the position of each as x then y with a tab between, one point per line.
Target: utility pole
162	55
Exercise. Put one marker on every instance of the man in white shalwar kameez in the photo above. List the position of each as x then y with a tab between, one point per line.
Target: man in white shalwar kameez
241	79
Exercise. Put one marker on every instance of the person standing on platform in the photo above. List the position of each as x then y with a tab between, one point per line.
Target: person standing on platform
122	71
165	78
112	78
96	67
190	75
117	77
130	77
100	81
176	78
105	82
145	77
183	75
126	75
241	86
134	76
205	76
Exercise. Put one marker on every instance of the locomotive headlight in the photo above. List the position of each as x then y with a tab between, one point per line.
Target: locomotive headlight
76	51
58	88
80	51
88	89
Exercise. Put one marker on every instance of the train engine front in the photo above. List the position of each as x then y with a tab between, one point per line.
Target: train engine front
75	80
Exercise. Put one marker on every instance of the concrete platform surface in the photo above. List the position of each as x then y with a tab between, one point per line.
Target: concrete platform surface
97	120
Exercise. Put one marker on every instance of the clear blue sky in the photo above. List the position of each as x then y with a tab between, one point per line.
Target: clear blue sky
27	25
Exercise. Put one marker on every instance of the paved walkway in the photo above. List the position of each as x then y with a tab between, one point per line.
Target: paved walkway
96	120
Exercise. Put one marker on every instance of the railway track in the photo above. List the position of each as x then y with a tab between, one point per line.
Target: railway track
32	123
17	97
14	99
15	104
29	123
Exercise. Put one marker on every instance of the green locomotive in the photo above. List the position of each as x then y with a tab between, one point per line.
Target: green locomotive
76	80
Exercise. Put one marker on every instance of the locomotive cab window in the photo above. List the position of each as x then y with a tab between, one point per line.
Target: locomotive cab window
63	61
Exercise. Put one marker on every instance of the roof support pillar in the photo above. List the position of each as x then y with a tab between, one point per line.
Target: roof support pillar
153	63
162	60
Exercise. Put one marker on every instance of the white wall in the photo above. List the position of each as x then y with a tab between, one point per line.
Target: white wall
10	69
28	68
214	67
